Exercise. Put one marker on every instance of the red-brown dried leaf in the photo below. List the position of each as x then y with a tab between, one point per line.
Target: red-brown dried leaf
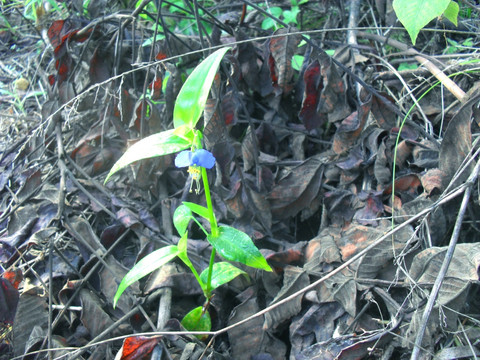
127	217
63	30
152	123
63	66
432	181
215	127
8	301
94	134
235	201
248	150
280	260
99	67
156	87
102	162
309	114
456	145
373	208
282	48
14	276
54	33
404	151
350	129
338	205
408	133
248	57
296	191
230	107
408	183
384	116
161	56
138	347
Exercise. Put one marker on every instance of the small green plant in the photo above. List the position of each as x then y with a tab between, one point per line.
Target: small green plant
288	16
455	46
230	243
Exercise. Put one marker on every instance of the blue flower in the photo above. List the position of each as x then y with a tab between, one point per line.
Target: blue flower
199	157
195	160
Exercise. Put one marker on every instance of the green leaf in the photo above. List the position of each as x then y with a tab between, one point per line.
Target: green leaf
181	219
145	266
196	320
198	209
451	12
223	272
290	16
407	66
182	244
268	22
163	143
415	14
235	245
297	62
194	92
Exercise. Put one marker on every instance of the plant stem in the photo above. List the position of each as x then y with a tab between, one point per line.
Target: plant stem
213	229
186	261
208	198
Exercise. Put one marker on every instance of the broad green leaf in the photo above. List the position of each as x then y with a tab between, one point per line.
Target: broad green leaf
223	272
451	13
194	93
415	14
198	209
235	245
145	266
196	320
181	219
290	16
163	143
268	22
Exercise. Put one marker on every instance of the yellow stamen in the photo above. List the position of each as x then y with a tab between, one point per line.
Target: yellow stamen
195	171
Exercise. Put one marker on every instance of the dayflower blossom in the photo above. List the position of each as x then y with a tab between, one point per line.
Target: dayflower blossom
195	160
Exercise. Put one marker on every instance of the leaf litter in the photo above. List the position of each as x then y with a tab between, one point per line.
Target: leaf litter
305	163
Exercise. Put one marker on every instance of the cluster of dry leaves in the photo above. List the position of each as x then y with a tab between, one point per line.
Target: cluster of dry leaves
305	163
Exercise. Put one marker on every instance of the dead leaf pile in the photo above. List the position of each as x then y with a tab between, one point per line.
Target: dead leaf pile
305	160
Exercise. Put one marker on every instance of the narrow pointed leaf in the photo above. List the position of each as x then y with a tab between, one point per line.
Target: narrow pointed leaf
194	93
235	245
145	266
163	143
223	272
198	209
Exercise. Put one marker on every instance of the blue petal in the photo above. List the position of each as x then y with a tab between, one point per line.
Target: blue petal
183	159
204	158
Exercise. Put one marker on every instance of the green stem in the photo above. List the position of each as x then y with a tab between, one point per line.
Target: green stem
208	198
186	261
213	229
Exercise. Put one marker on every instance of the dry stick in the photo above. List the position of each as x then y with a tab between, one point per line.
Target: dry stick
423	60
352	40
446	261
59	215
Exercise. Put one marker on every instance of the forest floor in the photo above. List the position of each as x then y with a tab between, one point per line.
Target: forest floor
347	155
